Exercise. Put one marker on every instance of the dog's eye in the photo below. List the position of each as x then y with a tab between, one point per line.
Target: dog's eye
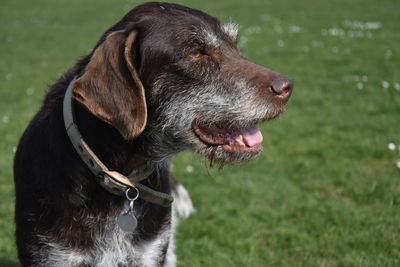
198	55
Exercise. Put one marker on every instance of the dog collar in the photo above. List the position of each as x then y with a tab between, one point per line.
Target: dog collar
112	181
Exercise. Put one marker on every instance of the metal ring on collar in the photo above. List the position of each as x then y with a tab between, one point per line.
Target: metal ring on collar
129	197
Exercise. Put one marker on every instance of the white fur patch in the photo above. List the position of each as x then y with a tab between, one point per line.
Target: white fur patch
114	248
58	256
182	204
153	249
210	38
231	29
170	260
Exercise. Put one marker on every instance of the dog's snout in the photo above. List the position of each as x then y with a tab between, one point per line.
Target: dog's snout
282	86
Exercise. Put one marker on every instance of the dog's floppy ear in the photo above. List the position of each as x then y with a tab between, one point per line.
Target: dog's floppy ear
110	87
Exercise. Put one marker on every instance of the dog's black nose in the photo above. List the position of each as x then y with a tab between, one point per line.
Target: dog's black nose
282	86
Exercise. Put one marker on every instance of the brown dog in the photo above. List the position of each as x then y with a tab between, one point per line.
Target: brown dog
164	79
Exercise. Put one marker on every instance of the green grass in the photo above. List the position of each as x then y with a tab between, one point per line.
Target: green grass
326	191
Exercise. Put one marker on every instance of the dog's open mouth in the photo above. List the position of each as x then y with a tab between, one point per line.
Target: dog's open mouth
241	141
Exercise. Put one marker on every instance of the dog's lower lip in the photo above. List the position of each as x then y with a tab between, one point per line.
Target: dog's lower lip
243	149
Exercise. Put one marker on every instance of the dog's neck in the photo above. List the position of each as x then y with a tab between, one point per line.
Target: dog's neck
109	145
113	181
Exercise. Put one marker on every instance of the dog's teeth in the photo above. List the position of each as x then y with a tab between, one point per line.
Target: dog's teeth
239	140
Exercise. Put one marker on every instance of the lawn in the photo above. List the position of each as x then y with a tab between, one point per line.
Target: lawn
325	192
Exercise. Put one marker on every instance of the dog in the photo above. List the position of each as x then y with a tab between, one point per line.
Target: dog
92	170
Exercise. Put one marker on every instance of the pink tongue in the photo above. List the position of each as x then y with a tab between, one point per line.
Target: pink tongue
252	137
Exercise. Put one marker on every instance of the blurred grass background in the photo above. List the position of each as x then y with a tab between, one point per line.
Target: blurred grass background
326	191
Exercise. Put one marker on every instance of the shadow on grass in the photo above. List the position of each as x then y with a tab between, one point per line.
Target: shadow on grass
9	263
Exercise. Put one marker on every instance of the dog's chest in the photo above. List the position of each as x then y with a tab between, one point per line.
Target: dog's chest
114	248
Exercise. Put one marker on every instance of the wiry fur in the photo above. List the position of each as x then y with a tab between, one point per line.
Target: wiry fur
112	248
149	81
227	99
231	29
115	247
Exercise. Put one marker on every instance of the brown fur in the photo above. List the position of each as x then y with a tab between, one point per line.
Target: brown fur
151	78
110	87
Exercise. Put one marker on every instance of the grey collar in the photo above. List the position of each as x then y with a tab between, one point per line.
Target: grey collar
112	181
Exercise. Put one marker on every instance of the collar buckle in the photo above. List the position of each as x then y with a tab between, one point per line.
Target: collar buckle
115	183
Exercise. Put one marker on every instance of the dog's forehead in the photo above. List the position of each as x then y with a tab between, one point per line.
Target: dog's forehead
214	35
180	22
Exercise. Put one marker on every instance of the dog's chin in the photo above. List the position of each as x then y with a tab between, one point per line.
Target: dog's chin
227	145
222	155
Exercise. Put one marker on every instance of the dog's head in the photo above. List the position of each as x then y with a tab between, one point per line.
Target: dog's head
174	77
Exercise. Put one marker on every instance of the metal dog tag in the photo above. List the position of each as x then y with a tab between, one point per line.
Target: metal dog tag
127	222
